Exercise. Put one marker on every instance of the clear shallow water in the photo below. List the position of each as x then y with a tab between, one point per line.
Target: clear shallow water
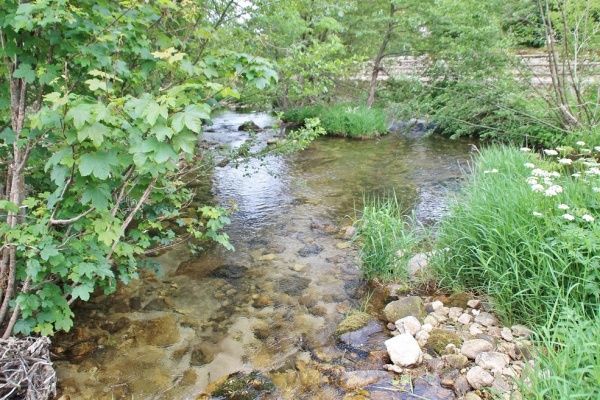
278	298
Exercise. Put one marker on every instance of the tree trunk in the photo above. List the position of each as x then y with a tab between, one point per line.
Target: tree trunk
380	54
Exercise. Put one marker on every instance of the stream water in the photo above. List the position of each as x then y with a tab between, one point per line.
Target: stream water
272	305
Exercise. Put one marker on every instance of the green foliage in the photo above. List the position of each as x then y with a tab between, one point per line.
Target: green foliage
525	232
567	363
388	239
342	119
106	105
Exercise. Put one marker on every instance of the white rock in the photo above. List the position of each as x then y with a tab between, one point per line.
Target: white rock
506	334
486	319
442	311
392	368
408	325
465	319
455	312
492	361
521	331
472	348
416	263
422	336
475	329
509	372
474	303
479	378
404	350
431	320
475	312
436	305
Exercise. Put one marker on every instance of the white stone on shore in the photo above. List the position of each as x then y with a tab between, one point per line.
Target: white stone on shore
404	350
492	361
472	348
479	378
408	325
465	319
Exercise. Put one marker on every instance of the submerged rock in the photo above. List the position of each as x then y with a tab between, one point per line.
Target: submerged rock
359	338
240	386
229	271
310	250
353	322
249	126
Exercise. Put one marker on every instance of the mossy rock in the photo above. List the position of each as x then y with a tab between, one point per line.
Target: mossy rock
439	339
240	386
459	300
249	126
405	307
353	322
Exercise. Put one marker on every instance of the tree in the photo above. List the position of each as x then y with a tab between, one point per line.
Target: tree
105	99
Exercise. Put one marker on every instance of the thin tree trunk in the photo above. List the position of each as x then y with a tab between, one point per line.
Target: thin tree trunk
380	54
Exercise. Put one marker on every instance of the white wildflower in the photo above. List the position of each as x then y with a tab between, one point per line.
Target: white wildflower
529	165
537	188
597	148
555	174
492	171
568	217
539	172
553	191
537	214
551	152
566	161
527	149
585	151
576	175
587	218
532	180
580	143
593	171
563	207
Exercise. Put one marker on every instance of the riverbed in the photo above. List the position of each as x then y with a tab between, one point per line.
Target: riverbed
274	303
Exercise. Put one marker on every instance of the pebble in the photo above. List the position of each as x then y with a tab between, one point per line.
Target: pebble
465	319
474	329
492	361
486	319
455	312
408	325
404	350
479	378
506	334
472	348
474	303
427	328
436	305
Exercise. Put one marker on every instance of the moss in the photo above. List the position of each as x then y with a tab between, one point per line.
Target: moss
239	386
459	300
353	322
439	339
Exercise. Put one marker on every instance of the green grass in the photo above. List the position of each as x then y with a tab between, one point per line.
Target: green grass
531	265
567	365
388	239
343	119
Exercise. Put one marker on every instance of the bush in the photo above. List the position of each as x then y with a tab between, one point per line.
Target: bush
524	232
388	239
342	119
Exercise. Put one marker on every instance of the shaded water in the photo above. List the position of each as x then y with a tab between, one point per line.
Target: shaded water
274	302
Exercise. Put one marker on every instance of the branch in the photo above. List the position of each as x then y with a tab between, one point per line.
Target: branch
70	220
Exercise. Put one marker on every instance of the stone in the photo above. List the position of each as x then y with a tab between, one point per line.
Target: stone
479	378
455	312
393	368
408	306
408	324
358	379
465	319
427	327
297	267
349	232
434	365
353	322
249	126
492	361
486	319
161	331
404	350
471	396
422	338
506	334
439	339
521	331
472	348
449	378
310	250
474	303
431	320
494	331
475	329
267	257
456	361
360	337
436	305
461	386
459	300
417	263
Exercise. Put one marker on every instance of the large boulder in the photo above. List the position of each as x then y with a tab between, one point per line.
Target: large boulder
406	307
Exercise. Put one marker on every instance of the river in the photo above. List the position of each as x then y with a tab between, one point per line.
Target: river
272	305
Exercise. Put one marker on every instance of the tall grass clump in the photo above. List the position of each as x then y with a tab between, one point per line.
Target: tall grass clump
388	238
343	119
525	233
567	362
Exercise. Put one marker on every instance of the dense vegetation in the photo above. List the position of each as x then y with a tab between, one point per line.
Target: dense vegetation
101	103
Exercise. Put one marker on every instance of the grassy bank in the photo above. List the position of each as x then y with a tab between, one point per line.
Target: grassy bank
524	233
342	119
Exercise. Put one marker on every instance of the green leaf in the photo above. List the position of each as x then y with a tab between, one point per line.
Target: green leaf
98	195
82	292
48	251
97	84
25	71
8	206
194	114
57	157
164	152
178	122
80	115
59	175
185	141
25	326
95	132
153	111
161	132
97	164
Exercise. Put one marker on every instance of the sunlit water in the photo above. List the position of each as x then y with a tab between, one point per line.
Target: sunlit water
275	300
